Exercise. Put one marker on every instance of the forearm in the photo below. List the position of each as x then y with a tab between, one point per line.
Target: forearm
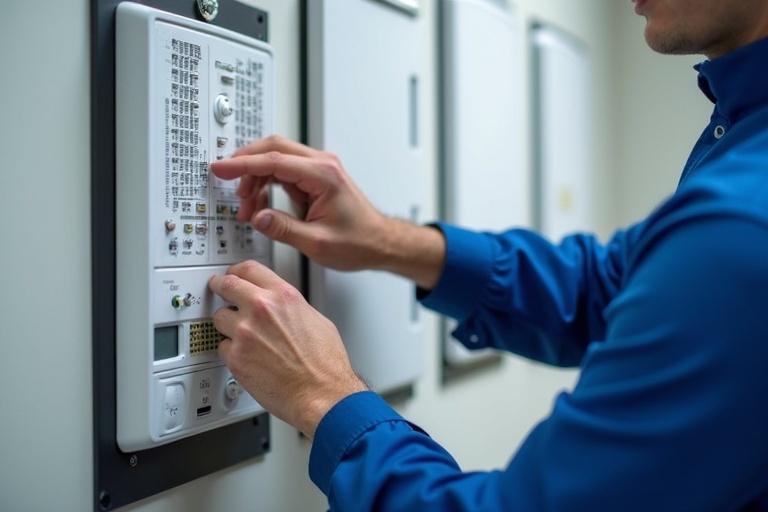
517	291
414	252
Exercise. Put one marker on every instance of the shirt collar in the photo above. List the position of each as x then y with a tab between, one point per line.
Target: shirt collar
737	82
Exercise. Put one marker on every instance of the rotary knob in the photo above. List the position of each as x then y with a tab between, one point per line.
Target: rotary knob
232	389
222	108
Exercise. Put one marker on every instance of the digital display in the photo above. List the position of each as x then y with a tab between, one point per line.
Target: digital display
166	342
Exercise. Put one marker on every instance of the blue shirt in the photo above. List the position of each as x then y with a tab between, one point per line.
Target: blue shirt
668	322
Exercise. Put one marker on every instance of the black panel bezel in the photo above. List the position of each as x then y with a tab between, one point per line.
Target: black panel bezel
122	478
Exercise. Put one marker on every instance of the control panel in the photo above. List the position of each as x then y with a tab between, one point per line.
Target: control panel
187	93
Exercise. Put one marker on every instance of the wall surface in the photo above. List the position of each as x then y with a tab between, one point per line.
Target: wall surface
45	430
659	114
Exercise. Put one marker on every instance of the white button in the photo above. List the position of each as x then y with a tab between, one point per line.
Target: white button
222	109
173	406
232	389
719	131
474	338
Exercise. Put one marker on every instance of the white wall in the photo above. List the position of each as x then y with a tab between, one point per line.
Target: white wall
45	409
659	114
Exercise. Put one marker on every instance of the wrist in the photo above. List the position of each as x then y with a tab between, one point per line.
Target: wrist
412	251
315	408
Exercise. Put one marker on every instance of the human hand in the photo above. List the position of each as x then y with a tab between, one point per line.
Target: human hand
288	356
340	228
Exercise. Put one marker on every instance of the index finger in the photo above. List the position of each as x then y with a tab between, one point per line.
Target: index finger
306	173
233	289
256	273
276	143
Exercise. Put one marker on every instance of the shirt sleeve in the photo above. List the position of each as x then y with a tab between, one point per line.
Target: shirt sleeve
517	291
669	413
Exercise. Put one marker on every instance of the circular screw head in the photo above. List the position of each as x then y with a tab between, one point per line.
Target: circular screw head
133	461
208	9
105	500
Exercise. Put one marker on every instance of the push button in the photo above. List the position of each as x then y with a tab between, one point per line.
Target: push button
232	389
222	109
174	406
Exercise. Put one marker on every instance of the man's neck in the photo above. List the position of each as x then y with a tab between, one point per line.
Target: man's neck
737	40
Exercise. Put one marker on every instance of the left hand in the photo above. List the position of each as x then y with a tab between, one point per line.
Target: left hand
288	356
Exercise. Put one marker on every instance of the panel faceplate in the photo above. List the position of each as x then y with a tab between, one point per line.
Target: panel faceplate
187	93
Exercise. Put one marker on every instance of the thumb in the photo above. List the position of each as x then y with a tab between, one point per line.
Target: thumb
284	228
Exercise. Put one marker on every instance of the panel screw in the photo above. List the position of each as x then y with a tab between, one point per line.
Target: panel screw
105	500
133	461
208	9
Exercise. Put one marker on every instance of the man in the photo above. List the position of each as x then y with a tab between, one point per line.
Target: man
668	321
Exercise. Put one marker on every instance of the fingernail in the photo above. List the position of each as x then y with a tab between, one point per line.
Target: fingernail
264	221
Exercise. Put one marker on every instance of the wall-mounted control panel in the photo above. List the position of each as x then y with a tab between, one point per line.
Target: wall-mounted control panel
187	93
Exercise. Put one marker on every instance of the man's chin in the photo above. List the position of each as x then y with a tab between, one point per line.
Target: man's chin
667	43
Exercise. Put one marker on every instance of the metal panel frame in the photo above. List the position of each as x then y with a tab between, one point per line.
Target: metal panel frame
122	478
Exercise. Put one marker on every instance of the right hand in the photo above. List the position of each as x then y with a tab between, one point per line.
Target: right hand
339	227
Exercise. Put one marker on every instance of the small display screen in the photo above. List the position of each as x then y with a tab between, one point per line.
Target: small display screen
166	342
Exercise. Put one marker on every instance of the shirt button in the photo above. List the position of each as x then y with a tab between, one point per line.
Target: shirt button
474	338
719	131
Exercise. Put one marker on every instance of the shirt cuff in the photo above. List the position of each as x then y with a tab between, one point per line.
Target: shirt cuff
468	266
344	424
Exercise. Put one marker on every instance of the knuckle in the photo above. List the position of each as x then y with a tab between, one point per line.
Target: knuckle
289	294
258	305
333	169
229	283
274	140
281	229
242	331
249	266
274	156
333	157
218	316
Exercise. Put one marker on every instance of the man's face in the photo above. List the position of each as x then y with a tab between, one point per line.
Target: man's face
710	27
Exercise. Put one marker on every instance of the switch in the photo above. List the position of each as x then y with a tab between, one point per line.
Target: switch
188	243
232	389
174	406
223	244
221	141
201	229
227	80
201	207
187	228
222	109
187	300
219	230
177	302
173	245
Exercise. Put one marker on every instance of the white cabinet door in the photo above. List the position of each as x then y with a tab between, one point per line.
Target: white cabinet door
364	61
563	174
486	186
